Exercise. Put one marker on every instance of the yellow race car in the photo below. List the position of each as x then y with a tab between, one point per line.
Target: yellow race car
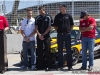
75	47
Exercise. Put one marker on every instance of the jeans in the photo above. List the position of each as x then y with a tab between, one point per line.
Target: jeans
87	44
25	50
67	39
35	57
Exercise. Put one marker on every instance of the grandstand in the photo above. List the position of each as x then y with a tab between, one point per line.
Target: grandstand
74	7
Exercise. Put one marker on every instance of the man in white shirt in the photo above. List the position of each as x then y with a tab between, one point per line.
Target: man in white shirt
28	32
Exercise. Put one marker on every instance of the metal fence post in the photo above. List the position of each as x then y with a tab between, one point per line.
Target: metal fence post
73	9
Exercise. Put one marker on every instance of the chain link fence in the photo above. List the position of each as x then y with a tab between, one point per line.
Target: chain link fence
15	10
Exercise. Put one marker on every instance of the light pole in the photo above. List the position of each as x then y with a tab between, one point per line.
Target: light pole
99	9
73	9
39	3
4	7
1	8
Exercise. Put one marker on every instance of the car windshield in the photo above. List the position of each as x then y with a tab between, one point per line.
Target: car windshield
74	34
53	34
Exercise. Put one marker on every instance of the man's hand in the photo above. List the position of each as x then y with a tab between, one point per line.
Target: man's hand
82	29
41	37
26	39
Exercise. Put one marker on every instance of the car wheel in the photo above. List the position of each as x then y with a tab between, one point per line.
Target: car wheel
75	56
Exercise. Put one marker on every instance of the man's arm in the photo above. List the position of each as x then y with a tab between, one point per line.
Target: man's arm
36	27
23	34
92	25
71	22
89	28
82	29
6	28
71	27
39	35
26	38
6	24
33	33
47	30
49	27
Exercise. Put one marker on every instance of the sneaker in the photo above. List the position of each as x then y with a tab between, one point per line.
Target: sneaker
90	68
23	67
82	68
32	67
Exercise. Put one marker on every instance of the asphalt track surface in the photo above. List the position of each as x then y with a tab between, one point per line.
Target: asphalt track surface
14	68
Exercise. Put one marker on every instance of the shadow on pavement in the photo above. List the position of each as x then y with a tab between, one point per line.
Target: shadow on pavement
17	64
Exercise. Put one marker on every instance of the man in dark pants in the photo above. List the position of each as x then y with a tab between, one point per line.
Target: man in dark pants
63	24
43	26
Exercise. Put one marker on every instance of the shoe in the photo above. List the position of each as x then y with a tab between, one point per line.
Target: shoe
47	69
90	68
60	69
23	67
40	68
32	67
82	68
70	69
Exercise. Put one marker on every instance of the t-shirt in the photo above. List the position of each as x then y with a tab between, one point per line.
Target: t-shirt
28	26
63	22
87	23
43	22
3	22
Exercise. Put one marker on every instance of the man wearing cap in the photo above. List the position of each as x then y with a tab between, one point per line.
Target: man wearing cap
87	28
63	24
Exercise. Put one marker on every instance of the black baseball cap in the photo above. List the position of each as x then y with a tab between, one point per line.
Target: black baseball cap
64	5
83	13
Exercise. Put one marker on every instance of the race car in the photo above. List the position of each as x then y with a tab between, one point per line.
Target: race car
75	47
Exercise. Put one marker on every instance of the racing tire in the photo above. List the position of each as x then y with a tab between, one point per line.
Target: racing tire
75	56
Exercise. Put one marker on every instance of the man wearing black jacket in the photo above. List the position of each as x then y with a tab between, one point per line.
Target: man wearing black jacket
63	24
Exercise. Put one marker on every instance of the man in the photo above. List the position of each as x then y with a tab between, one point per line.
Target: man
28	32
3	23
43	26
63	24
87	28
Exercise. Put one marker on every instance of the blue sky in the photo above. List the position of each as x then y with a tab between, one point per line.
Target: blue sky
24	3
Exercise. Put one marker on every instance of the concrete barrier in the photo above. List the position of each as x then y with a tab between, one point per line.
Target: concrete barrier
14	43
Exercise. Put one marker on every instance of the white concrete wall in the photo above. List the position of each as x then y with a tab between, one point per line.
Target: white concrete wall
14	43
